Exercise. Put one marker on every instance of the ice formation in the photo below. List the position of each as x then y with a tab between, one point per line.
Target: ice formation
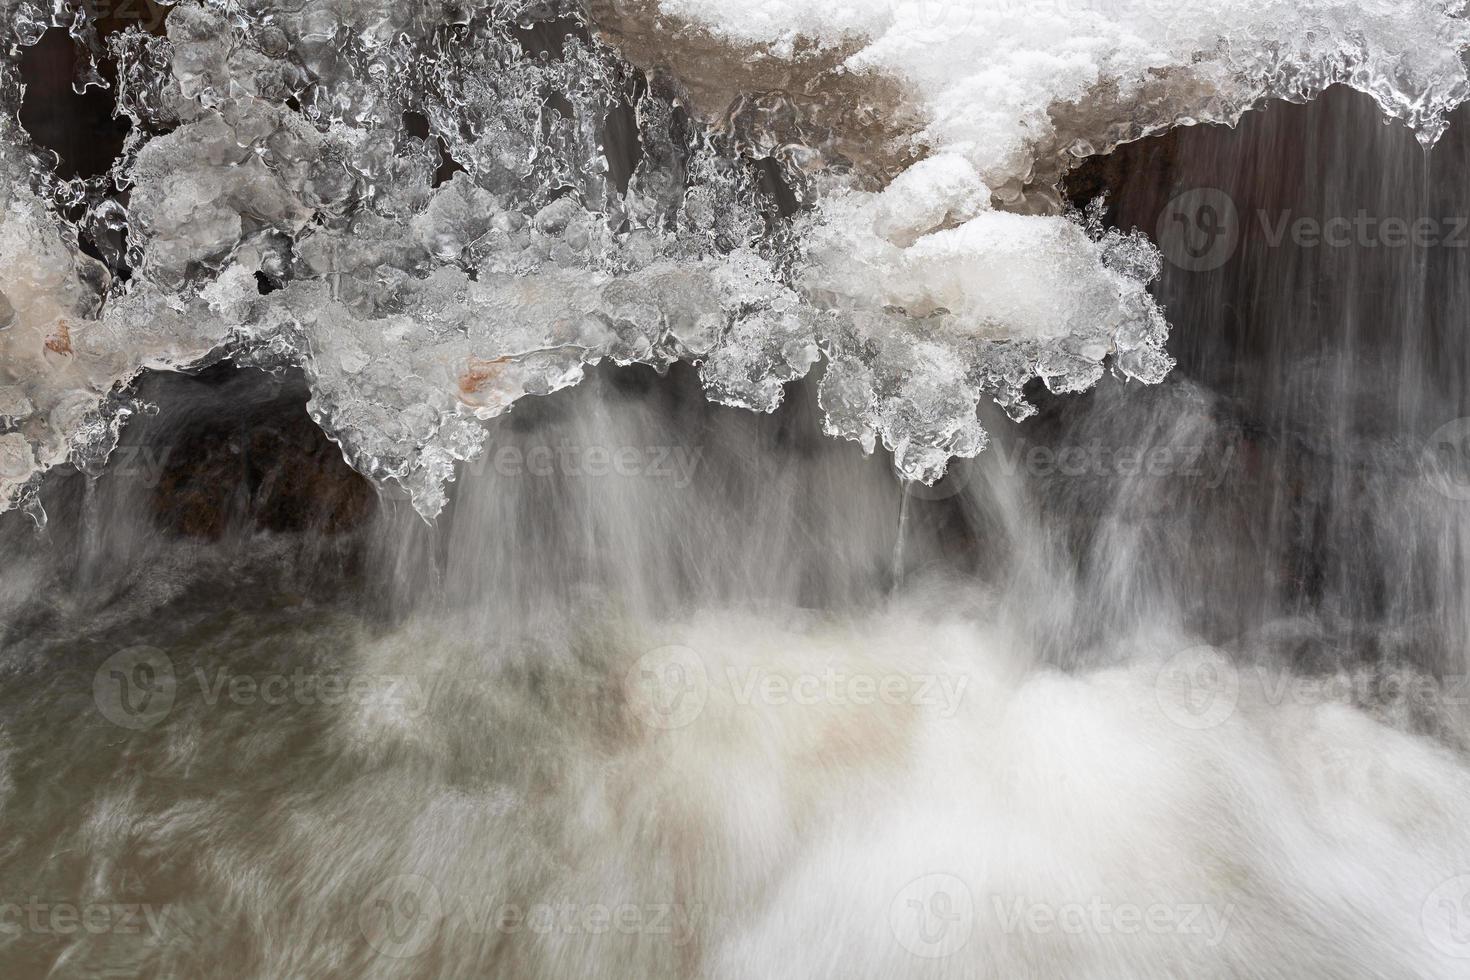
429	207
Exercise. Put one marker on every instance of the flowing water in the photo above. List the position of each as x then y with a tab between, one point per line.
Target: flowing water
1166	682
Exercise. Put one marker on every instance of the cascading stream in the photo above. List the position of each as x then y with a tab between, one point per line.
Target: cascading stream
1168	680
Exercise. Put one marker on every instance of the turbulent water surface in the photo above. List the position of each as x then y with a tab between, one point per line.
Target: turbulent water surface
863	591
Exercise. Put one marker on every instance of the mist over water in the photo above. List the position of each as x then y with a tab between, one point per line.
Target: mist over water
1167	682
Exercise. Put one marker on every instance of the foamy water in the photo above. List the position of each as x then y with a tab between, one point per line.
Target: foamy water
1168	681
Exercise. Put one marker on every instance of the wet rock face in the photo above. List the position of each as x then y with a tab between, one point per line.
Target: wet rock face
237	449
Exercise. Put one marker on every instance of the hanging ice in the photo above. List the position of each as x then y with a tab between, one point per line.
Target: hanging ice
430	220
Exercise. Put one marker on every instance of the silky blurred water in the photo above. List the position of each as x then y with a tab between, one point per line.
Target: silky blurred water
1170	681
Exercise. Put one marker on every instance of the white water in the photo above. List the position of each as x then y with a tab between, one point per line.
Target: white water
674	723
679	690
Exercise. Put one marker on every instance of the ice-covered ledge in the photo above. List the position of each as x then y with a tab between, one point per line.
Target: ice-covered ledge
281	206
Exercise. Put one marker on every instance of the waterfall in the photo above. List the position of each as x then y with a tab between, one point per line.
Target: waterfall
660	488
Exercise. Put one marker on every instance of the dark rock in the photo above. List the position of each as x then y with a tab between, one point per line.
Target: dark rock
248	454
